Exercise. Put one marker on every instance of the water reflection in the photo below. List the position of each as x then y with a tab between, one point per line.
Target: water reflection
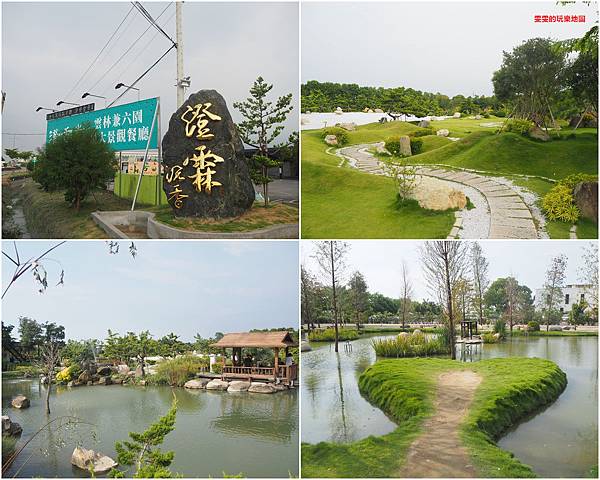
209	426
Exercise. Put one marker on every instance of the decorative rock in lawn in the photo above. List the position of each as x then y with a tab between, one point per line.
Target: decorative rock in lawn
20	401
331	140
378	110
206	172
586	198
10	428
456	115
443	132
259	387
238	386
217	384
338	111
347	126
424	124
196	383
539	134
434	194
88	460
404	141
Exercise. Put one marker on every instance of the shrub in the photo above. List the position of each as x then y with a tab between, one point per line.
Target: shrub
519	126
558	204
485	115
69	373
179	370
340	134
392	145
533	326
416	145
499	113
30	165
572	180
500	327
489	338
328	335
412	345
422	132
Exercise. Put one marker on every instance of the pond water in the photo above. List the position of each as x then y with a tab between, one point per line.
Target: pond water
560	441
333	409
215	432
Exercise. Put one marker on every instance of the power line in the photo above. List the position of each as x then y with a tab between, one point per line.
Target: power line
13	134
146	14
126	52
139	53
98	56
144	74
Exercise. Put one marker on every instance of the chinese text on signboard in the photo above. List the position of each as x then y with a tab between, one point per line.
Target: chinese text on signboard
124	127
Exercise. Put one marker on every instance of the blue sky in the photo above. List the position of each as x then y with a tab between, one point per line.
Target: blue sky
185	287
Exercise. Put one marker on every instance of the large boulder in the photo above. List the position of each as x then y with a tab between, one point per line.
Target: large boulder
331	140
586	199
338	111
539	134
104	371
238	386
123	369
10	428
347	126
424	124
84	377
435	194
378	110
405	150
206	172
138	371
105	381
456	115
196	383
217	384
20	402
443	132
589	121
89	460
259	387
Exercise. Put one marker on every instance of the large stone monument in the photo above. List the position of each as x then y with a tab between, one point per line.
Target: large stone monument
206	174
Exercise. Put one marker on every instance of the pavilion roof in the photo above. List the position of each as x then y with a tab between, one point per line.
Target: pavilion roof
279	339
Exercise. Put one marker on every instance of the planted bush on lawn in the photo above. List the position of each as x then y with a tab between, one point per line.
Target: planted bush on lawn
559	202
411	345
340	134
519	126
328	335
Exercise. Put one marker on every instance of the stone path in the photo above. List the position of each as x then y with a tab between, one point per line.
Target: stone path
510	216
438	452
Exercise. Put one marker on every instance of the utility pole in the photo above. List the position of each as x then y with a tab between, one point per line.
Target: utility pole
181	82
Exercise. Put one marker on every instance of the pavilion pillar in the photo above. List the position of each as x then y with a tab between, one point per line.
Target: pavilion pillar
276	364
224	363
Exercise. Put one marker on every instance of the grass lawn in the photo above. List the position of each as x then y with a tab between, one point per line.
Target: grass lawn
257	217
404	388
344	203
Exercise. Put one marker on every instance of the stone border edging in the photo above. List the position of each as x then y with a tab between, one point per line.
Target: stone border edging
158	230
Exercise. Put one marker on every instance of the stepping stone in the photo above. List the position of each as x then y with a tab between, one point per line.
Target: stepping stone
512	221
501	231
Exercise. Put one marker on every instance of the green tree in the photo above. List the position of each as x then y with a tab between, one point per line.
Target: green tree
530	77
170	345
262	124
359	296
31	333
142	452
553	285
578	314
16	154
77	162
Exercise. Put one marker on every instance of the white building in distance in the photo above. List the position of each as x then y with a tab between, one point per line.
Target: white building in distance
571	294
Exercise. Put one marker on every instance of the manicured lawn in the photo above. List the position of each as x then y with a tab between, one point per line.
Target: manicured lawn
344	203
404	388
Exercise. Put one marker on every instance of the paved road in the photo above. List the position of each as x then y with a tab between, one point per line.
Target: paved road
510	216
283	190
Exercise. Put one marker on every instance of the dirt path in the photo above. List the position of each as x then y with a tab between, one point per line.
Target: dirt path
438	452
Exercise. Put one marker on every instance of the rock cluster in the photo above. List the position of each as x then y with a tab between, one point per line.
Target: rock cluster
235	386
20	402
443	132
10	428
90	460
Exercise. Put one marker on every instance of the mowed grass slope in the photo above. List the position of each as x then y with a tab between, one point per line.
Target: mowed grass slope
405	388
344	203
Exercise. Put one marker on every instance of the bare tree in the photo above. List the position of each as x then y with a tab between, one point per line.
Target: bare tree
512	300
463	297
307	297
555	279
406	293
444	262
359	296
588	274
479	270
49	360
330	255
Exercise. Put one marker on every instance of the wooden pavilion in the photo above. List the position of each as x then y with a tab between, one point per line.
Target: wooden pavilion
276	341
468	328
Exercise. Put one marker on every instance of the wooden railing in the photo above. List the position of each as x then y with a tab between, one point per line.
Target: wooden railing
285	372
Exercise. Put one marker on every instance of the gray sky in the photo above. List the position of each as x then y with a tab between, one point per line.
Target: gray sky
450	47
47	46
381	262
186	287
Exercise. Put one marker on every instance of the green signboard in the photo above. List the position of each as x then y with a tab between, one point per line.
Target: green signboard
124	127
